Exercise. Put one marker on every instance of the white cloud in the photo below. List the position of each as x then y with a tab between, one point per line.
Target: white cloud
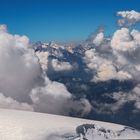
103	69
126	48
55	98
92	59
3	28
128	18
43	59
124	40
107	71
50	98
24	84
20	72
98	39
61	66
19	67
9	103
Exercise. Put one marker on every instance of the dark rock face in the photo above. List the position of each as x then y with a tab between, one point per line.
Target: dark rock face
92	131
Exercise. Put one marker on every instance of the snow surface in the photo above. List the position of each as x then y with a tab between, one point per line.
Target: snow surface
23	125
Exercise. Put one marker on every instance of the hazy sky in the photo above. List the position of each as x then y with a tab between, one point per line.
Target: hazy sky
61	20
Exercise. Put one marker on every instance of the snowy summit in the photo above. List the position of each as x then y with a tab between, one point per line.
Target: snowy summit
22	125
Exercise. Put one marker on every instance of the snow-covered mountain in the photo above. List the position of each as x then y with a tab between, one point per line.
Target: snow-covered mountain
22	125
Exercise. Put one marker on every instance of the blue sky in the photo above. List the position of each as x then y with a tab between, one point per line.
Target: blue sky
62	20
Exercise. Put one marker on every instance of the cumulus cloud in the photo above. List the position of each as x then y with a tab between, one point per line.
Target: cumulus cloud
103	69
118	61
24	83
3	28
43	59
9	103
98	39
55	98
126	47
129	18
108	71
124	40
50	98
19	68
61	66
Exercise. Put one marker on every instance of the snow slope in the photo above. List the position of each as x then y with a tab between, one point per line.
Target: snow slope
22	125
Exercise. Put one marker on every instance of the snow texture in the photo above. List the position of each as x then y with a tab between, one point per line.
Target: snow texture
23	125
